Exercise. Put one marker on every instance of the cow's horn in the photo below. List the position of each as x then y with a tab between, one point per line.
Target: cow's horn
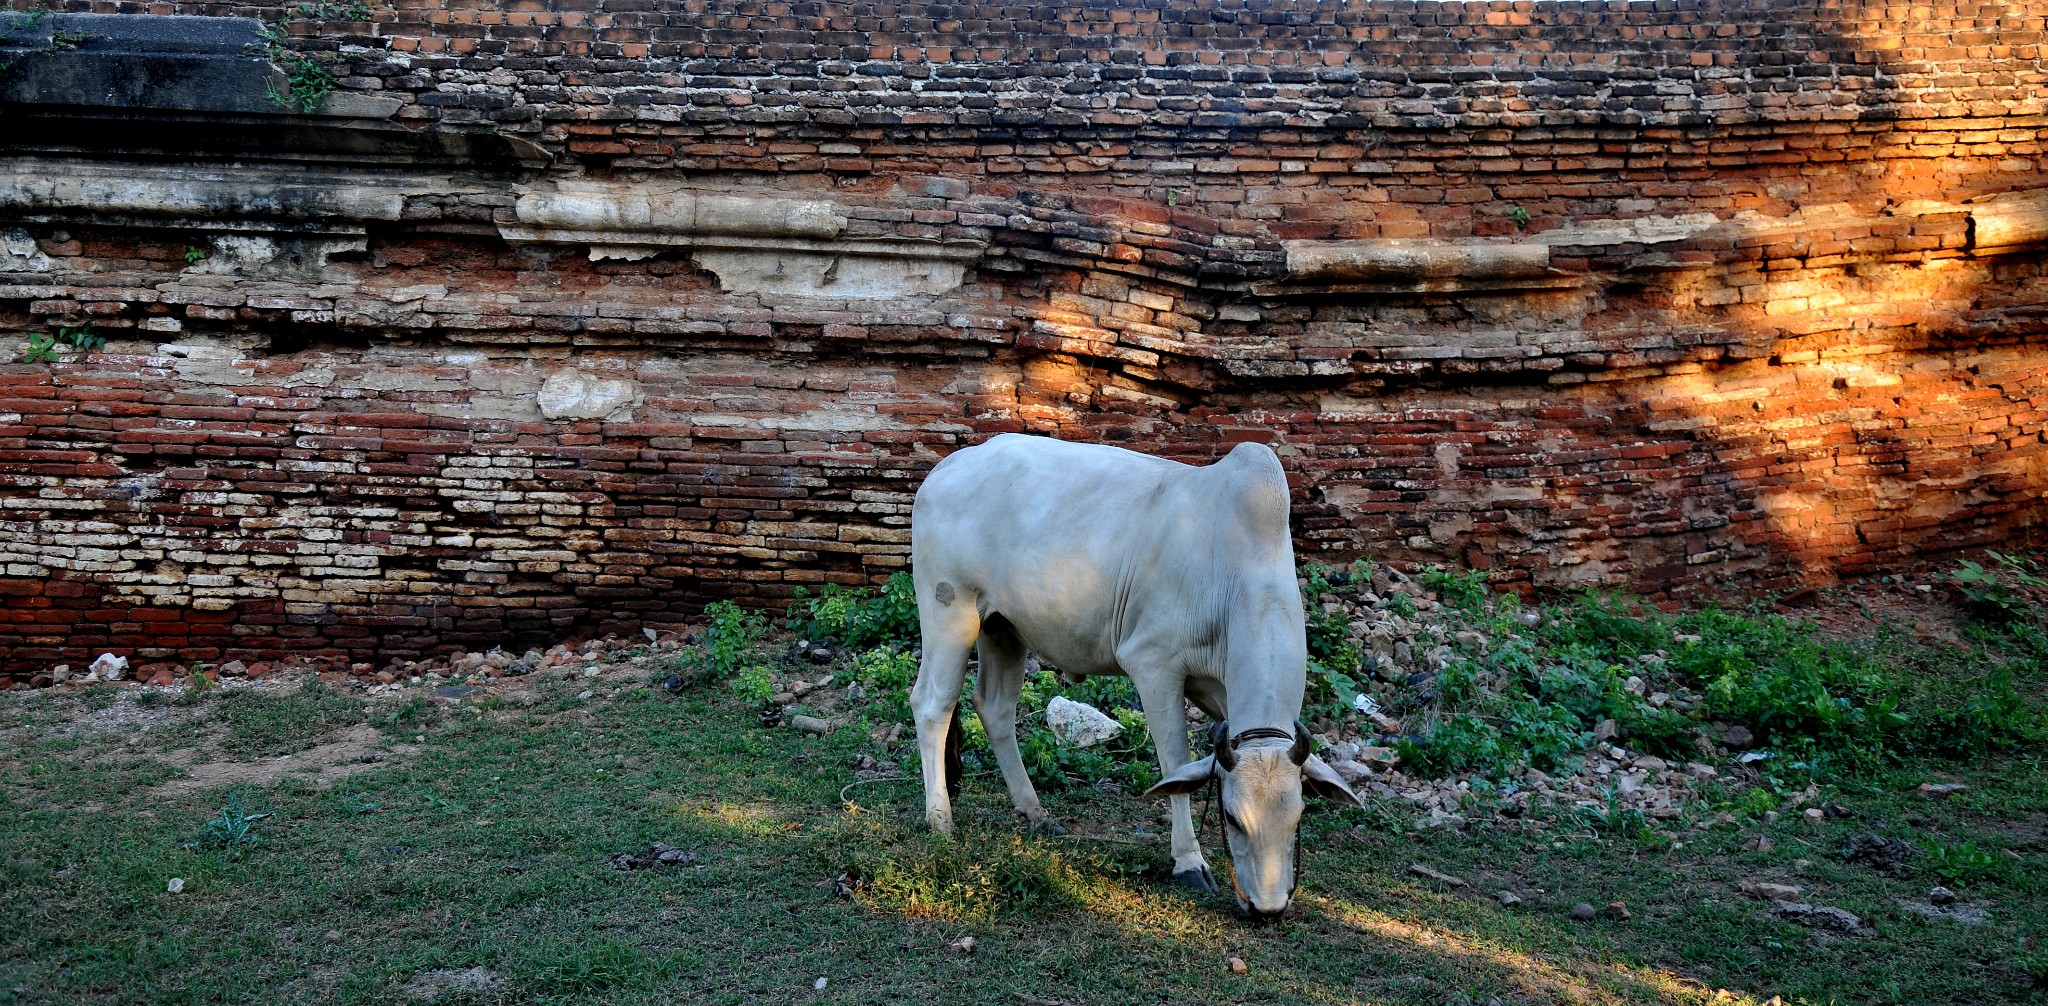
1219	739
1299	752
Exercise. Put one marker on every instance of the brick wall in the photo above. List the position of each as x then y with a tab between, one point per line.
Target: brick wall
1751	323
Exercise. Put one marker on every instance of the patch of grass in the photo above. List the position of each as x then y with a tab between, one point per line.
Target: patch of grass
488	850
262	723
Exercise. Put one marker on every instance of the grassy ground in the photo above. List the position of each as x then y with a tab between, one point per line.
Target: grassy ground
478	836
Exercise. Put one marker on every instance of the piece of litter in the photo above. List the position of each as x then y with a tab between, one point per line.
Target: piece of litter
1423	871
819	984
177	884
963	945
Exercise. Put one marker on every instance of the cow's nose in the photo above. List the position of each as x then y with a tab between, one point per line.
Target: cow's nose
1258	914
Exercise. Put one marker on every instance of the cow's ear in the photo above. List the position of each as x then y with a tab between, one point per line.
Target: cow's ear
1185	779
1319	779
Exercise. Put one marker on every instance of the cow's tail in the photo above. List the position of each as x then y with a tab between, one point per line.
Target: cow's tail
955	770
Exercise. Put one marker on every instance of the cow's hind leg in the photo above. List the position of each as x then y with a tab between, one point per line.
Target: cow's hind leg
996	687
948	630
1167	719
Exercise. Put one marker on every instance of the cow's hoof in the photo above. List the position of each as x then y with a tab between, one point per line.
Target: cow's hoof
1199	879
1047	826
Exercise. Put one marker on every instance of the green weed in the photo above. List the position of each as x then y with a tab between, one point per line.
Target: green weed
233	828
860	618
1994	592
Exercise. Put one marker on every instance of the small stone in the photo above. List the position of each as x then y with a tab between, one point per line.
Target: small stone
1767	891
176	885
1817	916
1941	896
60	674
1604	731
1507	899
1942	790
1814	815
1615	911
820	983
1758	844
1237	965
333	935
1738	738
964	945
1700	770
584	694
811	725
1583	912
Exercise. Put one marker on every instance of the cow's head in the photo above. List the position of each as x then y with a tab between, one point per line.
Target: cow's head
1263	774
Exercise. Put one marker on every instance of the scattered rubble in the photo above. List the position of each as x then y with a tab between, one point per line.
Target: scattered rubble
1820	917
1942	904
1879	851
434	984
660	854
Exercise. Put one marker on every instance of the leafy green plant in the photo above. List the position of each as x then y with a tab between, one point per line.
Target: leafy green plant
1960	863
329	10
41	349
1989	590
860	618
232	828
307	83
1613	818
729	641
753	684
886	673
1335	660
194	255
1464	590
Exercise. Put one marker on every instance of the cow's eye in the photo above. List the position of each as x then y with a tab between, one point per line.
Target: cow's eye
1230	820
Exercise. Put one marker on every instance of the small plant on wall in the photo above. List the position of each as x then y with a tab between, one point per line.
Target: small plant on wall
46	348
307	83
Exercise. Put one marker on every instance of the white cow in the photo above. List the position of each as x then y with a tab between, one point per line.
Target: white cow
1105	561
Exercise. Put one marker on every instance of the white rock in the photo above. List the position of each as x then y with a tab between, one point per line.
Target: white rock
1078	724
60	673
109	667
573	394
176	885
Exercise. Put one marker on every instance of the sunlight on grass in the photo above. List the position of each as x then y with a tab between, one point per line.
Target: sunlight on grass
759	820
1532	974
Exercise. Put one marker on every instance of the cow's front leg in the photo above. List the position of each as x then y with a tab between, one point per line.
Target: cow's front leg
1166	717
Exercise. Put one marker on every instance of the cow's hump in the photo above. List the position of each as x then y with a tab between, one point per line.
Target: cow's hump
1259	485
